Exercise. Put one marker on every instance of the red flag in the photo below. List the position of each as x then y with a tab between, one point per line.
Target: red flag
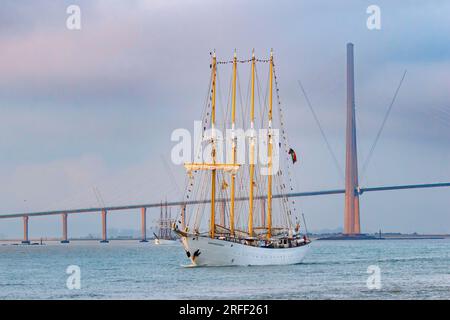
293	155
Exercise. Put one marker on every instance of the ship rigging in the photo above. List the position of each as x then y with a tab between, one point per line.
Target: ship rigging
250	232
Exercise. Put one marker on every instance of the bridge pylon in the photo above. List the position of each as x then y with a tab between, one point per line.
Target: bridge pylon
351	213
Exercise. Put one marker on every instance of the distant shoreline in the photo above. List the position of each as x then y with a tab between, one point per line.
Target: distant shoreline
380	236
320	237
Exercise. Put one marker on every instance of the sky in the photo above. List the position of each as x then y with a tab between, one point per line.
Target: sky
95	108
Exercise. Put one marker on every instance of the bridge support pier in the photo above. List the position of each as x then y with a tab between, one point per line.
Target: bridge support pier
64	229
143	224
25	230
104	234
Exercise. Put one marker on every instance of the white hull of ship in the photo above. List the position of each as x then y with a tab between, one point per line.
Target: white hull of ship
165	242
215	252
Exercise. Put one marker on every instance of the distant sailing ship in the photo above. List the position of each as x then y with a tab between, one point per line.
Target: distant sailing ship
250	230
165	234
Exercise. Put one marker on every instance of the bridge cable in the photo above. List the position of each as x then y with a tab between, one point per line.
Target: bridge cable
386	116
308	102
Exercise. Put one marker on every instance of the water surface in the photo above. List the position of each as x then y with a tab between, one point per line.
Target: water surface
410	269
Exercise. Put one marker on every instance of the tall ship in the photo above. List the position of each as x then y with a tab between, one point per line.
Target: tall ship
237	211
165	234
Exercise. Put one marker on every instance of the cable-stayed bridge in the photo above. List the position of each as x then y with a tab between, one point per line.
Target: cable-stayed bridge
352	190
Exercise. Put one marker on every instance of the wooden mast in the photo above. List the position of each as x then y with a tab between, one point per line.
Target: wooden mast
252	148
212	226
233	143
269	153
183	217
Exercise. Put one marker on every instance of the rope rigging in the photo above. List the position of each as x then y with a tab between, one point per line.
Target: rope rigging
197	185
287	148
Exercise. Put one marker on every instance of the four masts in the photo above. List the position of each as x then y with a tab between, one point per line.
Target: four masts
232	167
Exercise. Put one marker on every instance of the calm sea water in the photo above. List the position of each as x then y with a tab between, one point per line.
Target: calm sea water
410	269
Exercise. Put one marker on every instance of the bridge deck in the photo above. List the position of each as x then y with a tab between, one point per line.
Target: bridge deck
180	203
